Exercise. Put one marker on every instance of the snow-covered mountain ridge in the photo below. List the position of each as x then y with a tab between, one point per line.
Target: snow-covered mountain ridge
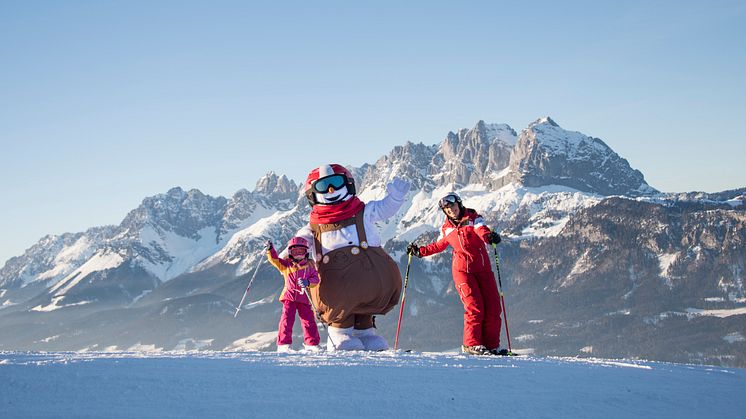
184	255
180	231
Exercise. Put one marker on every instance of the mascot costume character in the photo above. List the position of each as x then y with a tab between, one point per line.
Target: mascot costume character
358	278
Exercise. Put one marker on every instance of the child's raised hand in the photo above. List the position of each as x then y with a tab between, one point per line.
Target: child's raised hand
268	245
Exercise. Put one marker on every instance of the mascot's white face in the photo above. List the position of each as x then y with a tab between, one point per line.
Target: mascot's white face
334	197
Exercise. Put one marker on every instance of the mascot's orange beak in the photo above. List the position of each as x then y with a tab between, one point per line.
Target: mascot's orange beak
331	189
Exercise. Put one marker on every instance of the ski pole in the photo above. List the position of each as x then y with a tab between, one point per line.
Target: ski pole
403	298
261	259
316	312
502	297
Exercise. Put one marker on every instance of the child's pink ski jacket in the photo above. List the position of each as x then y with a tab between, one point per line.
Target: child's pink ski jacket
293	271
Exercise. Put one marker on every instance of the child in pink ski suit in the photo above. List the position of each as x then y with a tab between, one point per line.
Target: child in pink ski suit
299	273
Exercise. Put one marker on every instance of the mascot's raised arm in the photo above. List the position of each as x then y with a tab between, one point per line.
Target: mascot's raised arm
358	278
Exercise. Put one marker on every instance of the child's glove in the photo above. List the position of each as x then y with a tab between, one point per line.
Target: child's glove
268	245
303	283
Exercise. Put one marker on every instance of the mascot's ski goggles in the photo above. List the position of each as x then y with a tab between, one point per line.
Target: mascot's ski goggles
447	201
335	181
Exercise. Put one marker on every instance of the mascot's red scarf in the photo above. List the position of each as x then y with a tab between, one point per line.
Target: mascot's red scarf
328	214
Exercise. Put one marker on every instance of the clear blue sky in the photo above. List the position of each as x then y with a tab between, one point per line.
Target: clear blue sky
103	103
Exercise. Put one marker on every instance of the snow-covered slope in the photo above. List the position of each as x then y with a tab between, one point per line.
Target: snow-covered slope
53	257
427	385
244	247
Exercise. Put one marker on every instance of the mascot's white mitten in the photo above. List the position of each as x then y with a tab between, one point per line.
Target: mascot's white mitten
342	339
371	340
398	187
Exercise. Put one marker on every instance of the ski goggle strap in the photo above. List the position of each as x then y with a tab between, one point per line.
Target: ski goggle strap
448	201
335	181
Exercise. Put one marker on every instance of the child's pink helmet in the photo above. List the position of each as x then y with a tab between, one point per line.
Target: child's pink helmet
297	241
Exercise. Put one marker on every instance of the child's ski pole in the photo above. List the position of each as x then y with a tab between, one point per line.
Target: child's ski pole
316	312
261	259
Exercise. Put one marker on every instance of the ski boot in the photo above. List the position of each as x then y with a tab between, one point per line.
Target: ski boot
475	350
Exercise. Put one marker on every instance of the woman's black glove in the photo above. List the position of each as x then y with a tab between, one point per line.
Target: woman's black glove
413	249
494	238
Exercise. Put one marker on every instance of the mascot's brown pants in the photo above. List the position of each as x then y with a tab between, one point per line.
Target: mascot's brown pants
356	284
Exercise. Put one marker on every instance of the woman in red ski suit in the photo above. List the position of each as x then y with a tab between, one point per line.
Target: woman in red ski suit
464	230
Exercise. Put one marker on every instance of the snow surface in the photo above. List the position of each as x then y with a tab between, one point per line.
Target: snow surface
185	252
727	312
99	262
665	260
55	304
734	337
549	208
501	132
692	313
543	205
49	339
384	384
582	265
68	259
573	144
139	297
260	224
257	341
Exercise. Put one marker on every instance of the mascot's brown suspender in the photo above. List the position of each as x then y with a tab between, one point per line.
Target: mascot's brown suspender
356	281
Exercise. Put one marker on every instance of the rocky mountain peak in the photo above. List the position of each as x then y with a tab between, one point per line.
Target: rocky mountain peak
497	132
176	193
547	154
472	156
179	211
546	120
274	186
410	161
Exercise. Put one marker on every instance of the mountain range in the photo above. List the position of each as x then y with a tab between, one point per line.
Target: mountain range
594	261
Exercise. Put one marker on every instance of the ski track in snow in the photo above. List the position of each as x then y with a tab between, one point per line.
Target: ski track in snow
385	384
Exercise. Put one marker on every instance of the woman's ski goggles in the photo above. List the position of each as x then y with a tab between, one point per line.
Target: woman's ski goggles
447	201
335	181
